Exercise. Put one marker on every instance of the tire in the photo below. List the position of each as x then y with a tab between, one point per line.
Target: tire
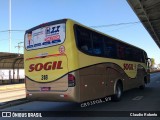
142	87
118	93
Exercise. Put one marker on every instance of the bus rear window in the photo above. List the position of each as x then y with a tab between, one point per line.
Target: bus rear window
45	36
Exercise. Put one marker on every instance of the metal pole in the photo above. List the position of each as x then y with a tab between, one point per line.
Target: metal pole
10	25
10	36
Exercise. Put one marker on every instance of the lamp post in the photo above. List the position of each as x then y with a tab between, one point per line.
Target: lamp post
9	35
10	25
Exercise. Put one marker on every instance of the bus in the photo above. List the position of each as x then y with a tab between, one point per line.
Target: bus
67	61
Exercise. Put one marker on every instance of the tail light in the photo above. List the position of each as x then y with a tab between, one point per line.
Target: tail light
71	80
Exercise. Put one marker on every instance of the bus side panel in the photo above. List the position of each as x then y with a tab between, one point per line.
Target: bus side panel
92	82
114	76
99	80
115	73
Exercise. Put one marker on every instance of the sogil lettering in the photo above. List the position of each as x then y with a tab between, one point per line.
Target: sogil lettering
46	66
128	66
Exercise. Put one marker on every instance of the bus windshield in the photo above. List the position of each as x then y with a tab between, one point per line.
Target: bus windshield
45	36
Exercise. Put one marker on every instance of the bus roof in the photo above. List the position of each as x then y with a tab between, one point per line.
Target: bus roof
46	24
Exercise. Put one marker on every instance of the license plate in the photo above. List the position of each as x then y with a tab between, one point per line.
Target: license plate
45	88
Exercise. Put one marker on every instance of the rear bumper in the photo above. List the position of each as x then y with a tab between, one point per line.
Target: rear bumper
68	96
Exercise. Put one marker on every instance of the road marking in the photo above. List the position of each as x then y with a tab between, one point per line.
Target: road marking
138	98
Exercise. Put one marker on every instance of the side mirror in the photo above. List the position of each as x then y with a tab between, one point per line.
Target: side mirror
148	62
148	59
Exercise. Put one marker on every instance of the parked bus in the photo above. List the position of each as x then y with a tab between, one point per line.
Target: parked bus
67	61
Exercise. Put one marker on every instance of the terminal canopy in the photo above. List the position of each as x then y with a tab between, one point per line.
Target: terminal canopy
148	11
11	61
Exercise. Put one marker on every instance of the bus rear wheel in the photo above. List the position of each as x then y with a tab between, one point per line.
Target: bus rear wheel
118	93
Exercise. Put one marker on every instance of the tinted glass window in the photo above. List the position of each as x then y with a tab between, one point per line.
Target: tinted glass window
120	51
110	48
138	55
141	56
84	39
97	44
128	54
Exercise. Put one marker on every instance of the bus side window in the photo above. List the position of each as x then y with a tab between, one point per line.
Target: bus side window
138	56
97	44
84	47
120	52
128	54
84	39
110	48
141	57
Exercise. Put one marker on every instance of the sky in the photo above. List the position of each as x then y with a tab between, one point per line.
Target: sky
29	13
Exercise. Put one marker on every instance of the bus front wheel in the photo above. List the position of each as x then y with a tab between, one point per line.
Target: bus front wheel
118	92
142	87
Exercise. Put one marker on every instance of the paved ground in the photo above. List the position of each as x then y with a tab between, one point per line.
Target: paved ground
133	100
11	92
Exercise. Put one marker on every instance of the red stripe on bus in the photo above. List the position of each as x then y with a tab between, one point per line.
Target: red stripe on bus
53	55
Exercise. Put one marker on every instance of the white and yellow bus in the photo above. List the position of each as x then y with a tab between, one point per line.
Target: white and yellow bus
67	61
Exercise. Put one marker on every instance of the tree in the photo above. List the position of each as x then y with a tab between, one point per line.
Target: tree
152	62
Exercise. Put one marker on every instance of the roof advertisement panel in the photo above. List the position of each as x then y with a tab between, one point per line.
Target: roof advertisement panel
45	37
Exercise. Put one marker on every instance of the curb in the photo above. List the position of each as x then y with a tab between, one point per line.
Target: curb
13	103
